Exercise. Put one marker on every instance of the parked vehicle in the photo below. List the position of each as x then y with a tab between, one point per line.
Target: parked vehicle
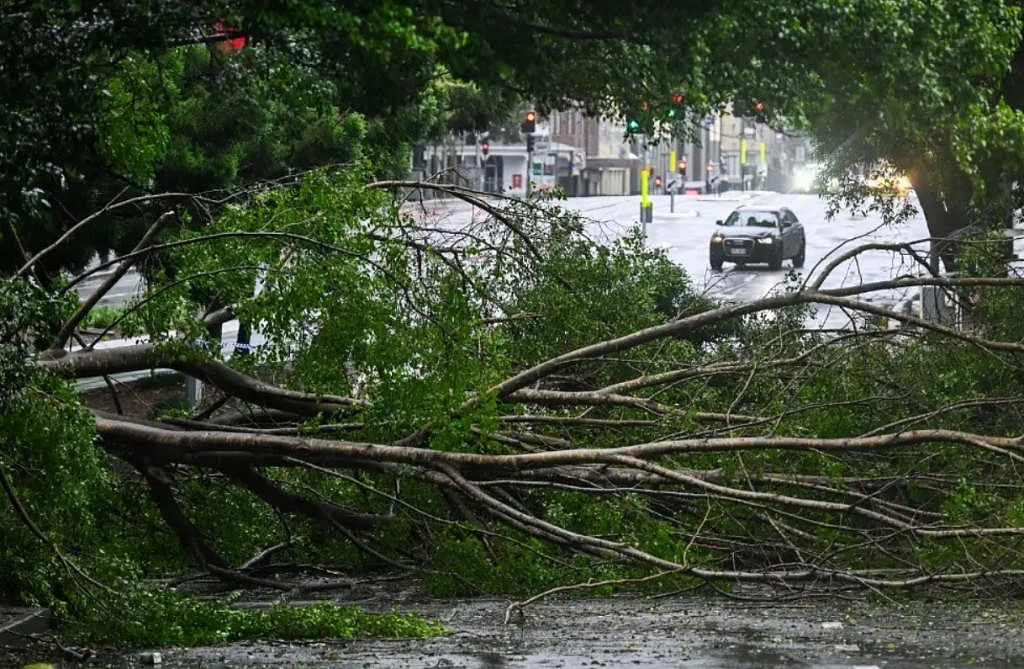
754	234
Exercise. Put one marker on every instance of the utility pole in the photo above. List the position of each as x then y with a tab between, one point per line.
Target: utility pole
718	160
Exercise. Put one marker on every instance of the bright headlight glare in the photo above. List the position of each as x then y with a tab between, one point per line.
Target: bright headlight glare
717	239
766	240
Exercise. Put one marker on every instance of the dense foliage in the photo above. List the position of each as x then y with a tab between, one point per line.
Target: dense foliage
500	401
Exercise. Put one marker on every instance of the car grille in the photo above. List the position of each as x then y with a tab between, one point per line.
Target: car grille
739	246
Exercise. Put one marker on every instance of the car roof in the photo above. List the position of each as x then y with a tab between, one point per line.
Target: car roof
754	207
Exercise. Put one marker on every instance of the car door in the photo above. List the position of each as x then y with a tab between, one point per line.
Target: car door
790	242
796	234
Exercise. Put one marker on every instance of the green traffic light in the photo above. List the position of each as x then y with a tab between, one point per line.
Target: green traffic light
632	125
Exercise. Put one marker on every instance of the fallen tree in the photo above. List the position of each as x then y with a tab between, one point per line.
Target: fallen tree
499	403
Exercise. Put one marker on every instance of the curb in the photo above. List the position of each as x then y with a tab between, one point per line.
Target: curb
16	634
725	198
677	214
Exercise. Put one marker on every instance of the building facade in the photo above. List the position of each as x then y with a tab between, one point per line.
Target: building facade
585	155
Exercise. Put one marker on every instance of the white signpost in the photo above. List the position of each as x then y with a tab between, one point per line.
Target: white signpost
672	184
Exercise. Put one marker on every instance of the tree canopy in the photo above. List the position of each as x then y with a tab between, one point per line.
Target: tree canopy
928	88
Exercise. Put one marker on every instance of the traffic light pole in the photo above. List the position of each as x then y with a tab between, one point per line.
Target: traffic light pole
646	208
529	162
479	167
672	188
528	127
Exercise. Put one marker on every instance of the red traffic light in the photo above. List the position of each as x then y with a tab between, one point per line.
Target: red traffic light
759	106
682	165
529	124
235	38
677	98
657	181
484	148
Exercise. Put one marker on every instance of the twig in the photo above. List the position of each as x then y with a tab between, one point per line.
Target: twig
519	606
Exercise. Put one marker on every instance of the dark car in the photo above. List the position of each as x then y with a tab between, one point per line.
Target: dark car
753	234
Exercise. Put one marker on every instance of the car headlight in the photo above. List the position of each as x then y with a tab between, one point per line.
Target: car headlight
765	240
717	239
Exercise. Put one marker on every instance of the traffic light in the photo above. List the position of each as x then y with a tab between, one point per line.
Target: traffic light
637	120
529	141
675	110
759	112
235	39
529	123
682	167
657	182
485	148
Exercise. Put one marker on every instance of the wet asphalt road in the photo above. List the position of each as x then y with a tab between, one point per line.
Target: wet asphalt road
683	226
684	234
682	631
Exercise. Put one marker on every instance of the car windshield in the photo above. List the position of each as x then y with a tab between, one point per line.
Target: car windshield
753	218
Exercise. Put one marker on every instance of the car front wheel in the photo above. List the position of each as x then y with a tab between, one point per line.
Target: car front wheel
716	262
776	262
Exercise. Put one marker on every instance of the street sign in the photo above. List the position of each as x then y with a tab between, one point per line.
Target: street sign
579	163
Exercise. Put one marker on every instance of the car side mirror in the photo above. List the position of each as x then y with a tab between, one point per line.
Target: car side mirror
787	224
718	222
